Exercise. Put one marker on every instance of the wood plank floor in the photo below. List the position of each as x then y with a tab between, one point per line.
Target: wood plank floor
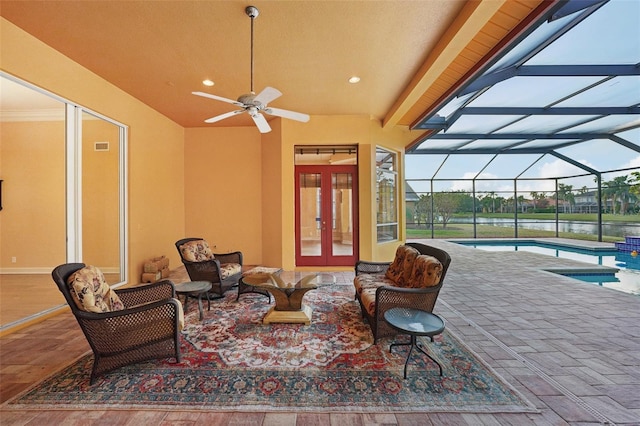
26	295
572	349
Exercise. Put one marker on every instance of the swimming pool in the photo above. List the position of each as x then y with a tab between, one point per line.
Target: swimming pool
627	279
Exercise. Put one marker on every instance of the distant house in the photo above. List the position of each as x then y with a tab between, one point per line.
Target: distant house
586	202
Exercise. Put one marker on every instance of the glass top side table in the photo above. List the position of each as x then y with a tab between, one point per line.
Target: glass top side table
414	322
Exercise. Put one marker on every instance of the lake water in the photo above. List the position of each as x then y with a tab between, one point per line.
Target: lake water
613	229
627	279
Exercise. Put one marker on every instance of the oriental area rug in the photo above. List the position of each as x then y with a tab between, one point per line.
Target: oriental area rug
233	362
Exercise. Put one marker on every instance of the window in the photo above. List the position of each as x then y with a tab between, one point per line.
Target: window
386	195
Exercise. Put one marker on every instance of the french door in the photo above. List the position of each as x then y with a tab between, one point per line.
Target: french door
326	215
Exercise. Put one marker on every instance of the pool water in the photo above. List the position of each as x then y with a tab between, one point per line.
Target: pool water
627	279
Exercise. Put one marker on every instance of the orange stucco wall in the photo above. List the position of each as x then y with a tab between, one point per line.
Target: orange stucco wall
223	189
155	152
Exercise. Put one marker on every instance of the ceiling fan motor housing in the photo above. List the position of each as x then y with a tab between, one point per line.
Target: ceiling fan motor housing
249	99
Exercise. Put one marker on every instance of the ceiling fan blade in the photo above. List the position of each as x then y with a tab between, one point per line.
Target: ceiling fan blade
217	98
223	116
267	95
261	122
298	116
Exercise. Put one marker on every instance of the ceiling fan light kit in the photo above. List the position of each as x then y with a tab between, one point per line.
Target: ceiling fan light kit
251	103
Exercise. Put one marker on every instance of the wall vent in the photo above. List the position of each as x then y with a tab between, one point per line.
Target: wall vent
101	146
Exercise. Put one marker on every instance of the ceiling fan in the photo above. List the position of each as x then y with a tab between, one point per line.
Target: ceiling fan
254	104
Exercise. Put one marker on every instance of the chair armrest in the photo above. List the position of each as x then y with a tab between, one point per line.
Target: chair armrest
116	331
94	316
388	297
133	296
364	267
233	257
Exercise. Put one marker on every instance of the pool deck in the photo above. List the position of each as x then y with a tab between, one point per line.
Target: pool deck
571	348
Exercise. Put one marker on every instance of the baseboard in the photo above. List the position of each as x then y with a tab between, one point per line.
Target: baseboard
46	270
26	271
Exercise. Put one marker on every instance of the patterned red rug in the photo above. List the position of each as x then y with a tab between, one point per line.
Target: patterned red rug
232	361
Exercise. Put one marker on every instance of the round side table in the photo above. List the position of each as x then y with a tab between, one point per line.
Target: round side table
194	289
414	322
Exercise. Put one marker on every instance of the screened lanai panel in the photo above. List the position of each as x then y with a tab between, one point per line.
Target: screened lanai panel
422	168
479	124
546	124
446	144
554	116
549	167
608	124
508	166
491	144
609	36
617	91
524	48
602	154
542	145
632	135
455	104
531	91
464	166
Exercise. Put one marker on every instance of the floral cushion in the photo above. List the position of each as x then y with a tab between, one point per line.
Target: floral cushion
368	298
367	281
427	271
91	293
196	251
399	272
229	269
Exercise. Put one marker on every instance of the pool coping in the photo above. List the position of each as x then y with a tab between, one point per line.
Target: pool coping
595	246
606	270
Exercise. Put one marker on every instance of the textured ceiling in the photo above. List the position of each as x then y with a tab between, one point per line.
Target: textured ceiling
160	51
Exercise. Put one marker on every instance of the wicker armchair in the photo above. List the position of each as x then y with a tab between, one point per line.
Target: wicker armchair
147	328
388	296
223	272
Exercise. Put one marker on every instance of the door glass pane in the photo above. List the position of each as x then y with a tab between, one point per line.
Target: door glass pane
342	207
310	214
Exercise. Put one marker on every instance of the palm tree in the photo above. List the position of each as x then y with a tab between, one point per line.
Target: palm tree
537	196
566	195
621	189
486	203
608	193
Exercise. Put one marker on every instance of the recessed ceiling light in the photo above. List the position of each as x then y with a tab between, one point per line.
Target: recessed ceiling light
208	82
354	79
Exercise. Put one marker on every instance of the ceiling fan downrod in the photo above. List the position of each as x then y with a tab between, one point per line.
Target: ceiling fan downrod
252	12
